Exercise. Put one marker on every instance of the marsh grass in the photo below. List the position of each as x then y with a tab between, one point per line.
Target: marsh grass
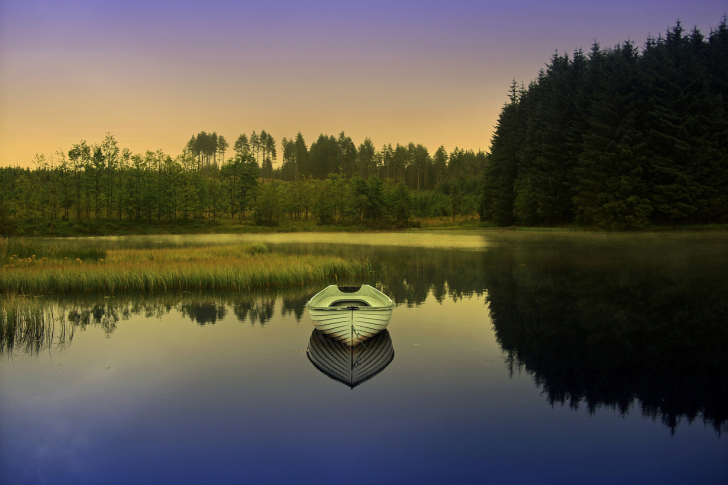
29	250
230	267
29	326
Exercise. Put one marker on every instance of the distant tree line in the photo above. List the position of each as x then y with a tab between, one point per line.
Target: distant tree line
332	182
617	138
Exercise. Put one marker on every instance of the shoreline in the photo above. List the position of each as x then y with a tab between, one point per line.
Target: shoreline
34	269
127	228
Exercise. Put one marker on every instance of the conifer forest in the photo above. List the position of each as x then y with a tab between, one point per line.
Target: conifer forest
620	137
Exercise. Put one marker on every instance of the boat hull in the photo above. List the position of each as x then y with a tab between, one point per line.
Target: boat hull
350	314
350	327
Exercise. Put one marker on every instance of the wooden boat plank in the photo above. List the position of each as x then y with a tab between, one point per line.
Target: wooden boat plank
337	321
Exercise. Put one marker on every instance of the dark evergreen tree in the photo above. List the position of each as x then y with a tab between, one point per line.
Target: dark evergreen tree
498	194
620	138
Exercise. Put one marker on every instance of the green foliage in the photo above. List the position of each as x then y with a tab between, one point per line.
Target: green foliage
32	250
401	204
376	204
619	138
498	195
234	267
101	189
430	203
268	205
325	208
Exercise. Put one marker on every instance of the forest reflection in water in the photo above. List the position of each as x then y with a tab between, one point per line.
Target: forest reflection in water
603	322
59	318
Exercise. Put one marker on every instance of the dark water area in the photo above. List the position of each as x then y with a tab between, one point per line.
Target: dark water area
527	357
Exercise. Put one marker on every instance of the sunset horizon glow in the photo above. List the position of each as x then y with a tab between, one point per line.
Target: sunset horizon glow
152	74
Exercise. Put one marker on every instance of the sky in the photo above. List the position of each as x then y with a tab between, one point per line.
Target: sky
153	73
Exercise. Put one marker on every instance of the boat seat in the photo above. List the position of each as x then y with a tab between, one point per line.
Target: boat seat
349	303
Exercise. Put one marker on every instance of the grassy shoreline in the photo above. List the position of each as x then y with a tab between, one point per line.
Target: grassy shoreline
221	226
472	222
231	267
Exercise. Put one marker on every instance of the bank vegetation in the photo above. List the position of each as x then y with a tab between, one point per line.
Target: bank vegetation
29	268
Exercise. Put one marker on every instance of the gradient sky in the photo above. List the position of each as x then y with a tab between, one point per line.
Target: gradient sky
152	73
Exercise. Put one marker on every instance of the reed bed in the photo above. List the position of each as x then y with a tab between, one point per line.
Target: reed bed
30	326
18	250
232	267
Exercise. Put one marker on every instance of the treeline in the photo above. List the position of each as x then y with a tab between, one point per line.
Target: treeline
410	164
102	182
618	138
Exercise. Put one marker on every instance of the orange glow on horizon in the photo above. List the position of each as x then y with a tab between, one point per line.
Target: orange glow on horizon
155	74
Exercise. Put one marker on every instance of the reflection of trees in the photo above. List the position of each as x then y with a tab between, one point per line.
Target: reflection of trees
409	275
296	304
104	314
35	325
597	321
260	307
204	312
593	332
255	310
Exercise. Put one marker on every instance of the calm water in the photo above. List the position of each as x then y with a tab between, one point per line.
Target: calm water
527	357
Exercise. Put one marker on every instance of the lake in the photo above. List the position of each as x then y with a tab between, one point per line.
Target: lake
528	357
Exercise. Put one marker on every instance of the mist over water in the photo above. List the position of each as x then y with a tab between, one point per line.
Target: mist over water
525	356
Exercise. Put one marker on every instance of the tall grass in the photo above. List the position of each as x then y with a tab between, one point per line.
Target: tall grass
232	267
30	326
24	249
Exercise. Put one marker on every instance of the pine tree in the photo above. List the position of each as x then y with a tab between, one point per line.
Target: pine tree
498	193
611	189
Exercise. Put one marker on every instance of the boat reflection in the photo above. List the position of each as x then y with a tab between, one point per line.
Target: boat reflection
350	365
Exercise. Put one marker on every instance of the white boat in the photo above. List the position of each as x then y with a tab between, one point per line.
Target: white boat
350	314
350	365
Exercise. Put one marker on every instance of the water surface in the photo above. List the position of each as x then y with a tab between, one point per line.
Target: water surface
528	357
